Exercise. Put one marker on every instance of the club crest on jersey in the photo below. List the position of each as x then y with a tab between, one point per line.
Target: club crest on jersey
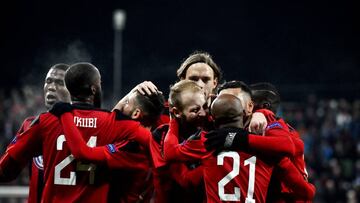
38	162
274	125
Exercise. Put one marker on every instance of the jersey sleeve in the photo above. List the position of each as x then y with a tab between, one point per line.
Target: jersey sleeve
291	177
186	177
22	148
108	154
277	142
191	149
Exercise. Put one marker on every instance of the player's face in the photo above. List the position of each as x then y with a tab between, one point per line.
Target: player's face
194	109
129	105
245	101
203	75
54	88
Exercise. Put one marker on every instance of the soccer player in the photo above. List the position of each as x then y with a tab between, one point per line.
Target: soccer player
267	100
194	149
54	91
243	175
201	68
67	179
171	179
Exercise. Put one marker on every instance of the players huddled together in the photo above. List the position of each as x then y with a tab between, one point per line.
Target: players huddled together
208	142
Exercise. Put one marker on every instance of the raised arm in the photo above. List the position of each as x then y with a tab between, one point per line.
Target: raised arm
191	149
110	154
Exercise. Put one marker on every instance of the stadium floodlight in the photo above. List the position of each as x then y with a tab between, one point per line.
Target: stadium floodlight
119	18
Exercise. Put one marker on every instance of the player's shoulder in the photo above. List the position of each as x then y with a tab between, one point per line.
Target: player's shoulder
277	124
159	133
119	116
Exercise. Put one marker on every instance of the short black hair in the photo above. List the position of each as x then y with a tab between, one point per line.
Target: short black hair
79	78
265	95
152	105
60	66
235	84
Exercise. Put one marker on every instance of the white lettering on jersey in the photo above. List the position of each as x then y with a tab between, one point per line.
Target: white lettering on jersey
85	122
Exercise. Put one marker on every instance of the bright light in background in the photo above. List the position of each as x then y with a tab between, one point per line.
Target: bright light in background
119	19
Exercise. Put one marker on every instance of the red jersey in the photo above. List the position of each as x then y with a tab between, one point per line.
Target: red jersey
67	179
193	148
279	191
36	169
173	181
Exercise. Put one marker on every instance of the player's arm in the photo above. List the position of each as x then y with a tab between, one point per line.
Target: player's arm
9	168
301	189
108	154
24	146
144	88
185	177
258	123
235	138
76	143
187	151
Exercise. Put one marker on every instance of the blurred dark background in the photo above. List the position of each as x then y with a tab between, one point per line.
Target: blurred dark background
308	49
300	46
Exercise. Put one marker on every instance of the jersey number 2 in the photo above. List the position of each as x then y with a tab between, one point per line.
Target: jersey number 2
235	171
79	167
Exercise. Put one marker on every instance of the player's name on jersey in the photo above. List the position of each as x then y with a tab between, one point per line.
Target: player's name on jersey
85	122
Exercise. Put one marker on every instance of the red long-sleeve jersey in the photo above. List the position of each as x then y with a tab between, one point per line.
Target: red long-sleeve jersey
261	149
36	183
193	148
174	181
67	179
279	191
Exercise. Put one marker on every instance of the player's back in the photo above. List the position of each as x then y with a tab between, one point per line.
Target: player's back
236	176
67	179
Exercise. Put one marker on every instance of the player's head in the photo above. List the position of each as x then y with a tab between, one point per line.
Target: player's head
241	91
201	68
83	81
54	86
187	103
265	96
227	111
144	108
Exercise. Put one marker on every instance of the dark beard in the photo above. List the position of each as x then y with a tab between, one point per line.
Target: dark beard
97	99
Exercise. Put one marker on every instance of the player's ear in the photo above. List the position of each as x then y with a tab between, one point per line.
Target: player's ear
93	89
136	114
215	82
251	106
175	111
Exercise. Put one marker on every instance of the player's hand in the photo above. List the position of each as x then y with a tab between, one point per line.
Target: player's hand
226	138
147	88
60	108
258	123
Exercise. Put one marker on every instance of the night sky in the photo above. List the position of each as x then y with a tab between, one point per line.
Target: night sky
302	47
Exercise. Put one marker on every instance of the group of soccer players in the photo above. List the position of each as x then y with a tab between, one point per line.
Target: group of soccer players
207	143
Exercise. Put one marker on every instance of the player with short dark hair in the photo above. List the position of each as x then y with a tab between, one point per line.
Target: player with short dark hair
54	91
267	100
241	175
68	179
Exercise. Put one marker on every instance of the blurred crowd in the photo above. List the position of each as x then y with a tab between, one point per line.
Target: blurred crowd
330	129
